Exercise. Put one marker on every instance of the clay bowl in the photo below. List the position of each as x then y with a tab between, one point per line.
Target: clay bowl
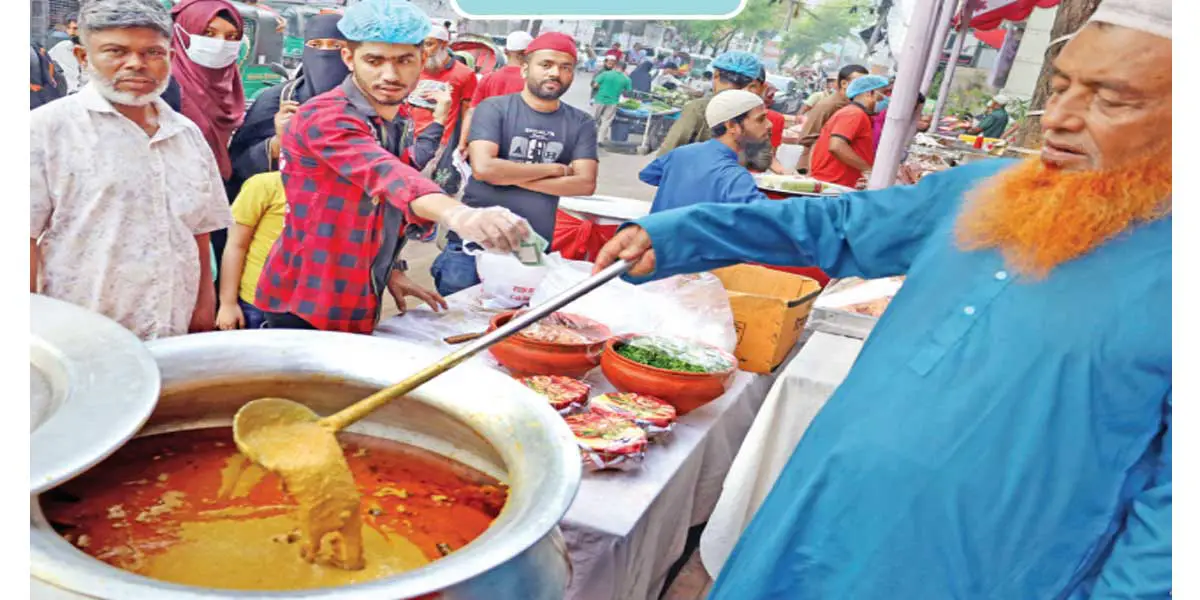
685	391
524	357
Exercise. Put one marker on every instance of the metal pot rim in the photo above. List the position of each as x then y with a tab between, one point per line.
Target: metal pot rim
544	471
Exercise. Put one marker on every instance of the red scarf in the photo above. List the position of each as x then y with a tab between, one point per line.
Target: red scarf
212	98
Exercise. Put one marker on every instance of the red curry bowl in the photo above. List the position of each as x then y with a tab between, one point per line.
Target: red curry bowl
685	391
524	357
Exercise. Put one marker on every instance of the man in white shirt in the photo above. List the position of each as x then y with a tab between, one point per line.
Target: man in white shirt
63	54
123	190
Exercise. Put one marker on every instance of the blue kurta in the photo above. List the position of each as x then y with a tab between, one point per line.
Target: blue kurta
997	437
695	173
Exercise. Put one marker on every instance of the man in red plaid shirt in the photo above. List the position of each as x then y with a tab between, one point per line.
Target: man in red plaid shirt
352	189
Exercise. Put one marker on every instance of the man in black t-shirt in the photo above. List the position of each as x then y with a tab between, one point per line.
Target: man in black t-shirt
526	150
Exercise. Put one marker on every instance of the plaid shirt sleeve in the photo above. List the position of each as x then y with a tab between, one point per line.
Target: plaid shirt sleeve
347	146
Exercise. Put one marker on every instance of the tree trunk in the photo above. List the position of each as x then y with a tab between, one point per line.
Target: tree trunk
535	28
1072	15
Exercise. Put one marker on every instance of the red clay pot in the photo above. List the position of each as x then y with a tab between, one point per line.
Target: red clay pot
524	357
685	391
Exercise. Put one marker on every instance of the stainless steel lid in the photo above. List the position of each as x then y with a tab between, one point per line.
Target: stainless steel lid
92	384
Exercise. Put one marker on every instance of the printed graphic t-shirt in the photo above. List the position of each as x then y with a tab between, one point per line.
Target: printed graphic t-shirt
525	135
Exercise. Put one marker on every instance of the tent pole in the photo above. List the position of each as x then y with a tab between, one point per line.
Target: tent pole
949	9
917	43
964	26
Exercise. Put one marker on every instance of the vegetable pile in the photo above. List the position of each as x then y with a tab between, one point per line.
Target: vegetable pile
662	356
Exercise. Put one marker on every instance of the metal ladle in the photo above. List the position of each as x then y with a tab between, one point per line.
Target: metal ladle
289	438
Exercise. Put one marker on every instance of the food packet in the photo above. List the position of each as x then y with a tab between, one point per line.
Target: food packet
607	442
675	354
654	416
565	395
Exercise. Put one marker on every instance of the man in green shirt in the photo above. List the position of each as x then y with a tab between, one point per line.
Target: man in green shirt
993	124
608	86
734	70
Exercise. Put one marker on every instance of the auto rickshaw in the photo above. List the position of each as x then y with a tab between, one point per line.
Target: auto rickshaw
296	15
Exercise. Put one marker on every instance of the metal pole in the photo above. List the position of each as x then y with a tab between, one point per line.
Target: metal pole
948	10
964	25
917	44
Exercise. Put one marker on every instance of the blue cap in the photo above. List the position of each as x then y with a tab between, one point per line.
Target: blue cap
387	21
736	61
864	84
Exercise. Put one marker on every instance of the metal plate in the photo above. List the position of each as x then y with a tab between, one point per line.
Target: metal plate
770	183
92	384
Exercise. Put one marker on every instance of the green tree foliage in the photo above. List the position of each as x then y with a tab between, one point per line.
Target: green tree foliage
825	23
759	17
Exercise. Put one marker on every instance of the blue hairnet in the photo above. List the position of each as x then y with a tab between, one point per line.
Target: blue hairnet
866	83
388	21
736	61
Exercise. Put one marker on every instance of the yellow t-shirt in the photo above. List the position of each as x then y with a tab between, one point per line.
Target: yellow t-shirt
261	205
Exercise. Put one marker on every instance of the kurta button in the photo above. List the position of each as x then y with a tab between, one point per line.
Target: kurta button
970	310
1001	275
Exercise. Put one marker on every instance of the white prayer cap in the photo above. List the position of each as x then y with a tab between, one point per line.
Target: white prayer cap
729	104
1151	16
1001	99
517	41
440	32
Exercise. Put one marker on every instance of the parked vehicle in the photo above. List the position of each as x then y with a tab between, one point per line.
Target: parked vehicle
296	15
790	95
261	60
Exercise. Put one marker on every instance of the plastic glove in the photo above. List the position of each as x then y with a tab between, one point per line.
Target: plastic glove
494	227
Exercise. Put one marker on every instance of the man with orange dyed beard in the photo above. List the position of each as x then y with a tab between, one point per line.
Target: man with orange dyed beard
1006	430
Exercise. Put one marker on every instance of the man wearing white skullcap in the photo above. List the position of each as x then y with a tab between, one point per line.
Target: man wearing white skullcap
442	74
1006	431
709	171
993	124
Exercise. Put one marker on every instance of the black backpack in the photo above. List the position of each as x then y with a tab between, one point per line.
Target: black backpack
46	79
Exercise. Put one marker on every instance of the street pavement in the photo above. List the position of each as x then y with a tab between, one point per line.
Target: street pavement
617	177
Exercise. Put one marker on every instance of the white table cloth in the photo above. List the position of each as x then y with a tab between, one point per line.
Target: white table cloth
798	394
625	530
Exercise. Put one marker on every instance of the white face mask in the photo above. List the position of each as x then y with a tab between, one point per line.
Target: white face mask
210	52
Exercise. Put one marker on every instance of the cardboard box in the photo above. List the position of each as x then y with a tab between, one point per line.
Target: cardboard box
769	311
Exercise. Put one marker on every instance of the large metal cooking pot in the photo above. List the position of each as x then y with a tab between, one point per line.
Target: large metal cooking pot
474	415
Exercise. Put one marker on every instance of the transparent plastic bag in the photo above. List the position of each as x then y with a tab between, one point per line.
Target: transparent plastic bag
608	442
674	354
685	306
507	282
654	416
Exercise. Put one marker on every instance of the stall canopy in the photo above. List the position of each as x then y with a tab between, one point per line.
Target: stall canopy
993	38
990	14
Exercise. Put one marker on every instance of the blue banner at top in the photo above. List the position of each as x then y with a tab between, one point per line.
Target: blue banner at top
598	9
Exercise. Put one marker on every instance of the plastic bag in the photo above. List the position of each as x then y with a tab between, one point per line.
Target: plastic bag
607	442
675	354
507	283
654	416
686	306
565	395
566	328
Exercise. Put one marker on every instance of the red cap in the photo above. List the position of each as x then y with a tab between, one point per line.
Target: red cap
553	40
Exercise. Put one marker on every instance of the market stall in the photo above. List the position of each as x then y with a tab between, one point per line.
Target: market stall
627	526
646	116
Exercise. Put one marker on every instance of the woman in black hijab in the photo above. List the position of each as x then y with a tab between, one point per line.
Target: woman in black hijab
641	76
253	149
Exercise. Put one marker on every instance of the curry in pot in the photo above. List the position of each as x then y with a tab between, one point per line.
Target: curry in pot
187	507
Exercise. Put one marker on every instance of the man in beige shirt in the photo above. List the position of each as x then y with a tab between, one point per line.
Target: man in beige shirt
123	190
816	118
